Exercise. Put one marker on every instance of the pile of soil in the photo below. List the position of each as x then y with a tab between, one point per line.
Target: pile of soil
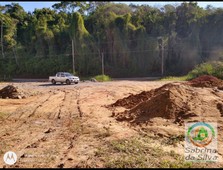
206	81
132	100
169	101
11	92
175	101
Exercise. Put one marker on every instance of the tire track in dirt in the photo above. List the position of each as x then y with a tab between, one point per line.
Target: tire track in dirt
41	133
15	126
19	109
61	105
69	127
38	106
54	113
67	108
31	107
78	103
75	127
63	131
23	109
47	107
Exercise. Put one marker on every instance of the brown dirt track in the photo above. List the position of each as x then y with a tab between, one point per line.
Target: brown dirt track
63	125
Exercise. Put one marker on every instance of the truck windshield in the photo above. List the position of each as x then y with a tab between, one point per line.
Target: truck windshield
68	74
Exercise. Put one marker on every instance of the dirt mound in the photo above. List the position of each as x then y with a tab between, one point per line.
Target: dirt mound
10	92
171	101
176	101
132	100
206	81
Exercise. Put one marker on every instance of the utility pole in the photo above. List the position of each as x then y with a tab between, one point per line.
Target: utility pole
3	55
102	63
73	56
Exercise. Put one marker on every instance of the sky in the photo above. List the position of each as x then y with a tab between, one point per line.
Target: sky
30	6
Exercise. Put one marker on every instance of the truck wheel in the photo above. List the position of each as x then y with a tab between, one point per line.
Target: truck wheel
76	82
53	81
67	81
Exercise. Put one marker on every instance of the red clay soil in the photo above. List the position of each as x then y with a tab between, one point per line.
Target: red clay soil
206	81
132	100
169	101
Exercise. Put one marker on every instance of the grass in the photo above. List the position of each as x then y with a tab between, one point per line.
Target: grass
173	140
2	115
76	126
172	78
3	147
137	152
102	78
105	132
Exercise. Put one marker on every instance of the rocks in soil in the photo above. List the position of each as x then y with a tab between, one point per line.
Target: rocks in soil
11	92
49	130
93	80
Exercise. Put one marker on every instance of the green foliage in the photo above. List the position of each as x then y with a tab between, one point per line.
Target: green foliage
214	68
171	78
126	34
102	78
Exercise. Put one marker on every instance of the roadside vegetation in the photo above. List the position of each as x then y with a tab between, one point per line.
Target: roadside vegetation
102	78
214	68
39	43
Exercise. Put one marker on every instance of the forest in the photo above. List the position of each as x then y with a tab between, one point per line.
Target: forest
133	40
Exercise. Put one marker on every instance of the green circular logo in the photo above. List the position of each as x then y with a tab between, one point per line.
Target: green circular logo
200	134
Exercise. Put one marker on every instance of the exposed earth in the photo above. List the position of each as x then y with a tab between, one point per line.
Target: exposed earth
109	124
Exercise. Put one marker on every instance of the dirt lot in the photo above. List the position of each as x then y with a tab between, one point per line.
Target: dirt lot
72	126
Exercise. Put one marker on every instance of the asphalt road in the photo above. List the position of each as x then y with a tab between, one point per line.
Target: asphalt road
114	79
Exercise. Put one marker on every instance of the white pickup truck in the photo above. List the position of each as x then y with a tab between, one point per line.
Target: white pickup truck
64	77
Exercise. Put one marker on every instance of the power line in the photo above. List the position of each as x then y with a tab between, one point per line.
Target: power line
96	53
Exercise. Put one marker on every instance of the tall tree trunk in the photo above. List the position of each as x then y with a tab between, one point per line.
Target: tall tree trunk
73	56
3	55
14	52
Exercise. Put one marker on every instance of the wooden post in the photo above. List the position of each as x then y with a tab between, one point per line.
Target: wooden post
73	56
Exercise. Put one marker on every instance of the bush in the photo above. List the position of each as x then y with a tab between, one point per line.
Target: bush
214	68
102	78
